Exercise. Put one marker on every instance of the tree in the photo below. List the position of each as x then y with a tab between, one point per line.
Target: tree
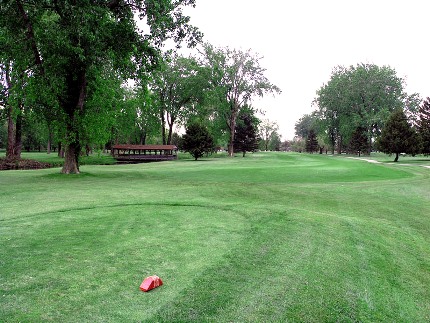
423	126
267	129
275	141
398	136
245	137
298	144
71	41
197	140
359	142
311	142
179	84
237	78
360	96
305	124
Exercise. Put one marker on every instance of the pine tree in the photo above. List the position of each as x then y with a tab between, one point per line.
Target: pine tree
311	142
197	140
423	126
359	141
398	136
245	135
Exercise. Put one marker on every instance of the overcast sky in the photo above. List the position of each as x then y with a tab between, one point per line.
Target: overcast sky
303	40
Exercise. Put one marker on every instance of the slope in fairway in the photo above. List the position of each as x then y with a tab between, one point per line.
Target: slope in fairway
269	237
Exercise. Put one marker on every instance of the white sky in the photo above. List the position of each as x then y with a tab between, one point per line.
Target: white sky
302	40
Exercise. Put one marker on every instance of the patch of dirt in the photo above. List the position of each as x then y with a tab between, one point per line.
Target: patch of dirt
8	164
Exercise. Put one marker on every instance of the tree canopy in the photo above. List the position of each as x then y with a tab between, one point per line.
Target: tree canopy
398	136
246	134
197	140
237	78
69	45
423	126
361	96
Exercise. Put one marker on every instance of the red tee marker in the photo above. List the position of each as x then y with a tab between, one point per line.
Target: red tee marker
150	282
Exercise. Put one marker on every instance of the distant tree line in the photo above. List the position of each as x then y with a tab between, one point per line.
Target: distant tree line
364	108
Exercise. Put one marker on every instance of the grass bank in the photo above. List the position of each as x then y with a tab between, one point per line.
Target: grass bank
269	237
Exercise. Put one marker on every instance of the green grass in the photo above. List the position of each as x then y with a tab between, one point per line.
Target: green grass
55	161
270	237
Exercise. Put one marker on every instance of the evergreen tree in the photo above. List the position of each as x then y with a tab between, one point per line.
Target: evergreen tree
197	140
245	135
424	126
398	136
359	141
311	142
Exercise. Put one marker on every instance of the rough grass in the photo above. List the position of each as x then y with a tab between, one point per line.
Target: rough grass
269	237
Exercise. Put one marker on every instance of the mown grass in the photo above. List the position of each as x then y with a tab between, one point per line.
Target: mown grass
269	237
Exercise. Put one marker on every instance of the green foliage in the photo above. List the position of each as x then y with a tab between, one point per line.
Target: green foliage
311	142
423	126
305	124
298	144
398	136
236	78
71	50
197	140
359	142
275	141
3	135
246	135
267	130
360	96
178	84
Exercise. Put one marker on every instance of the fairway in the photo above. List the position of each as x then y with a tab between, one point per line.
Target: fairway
270	237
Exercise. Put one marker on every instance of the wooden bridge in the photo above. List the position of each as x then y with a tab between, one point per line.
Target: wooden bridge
144	153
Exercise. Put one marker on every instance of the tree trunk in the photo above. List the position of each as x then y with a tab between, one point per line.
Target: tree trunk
18	136
71	161
10	151
60	150
74	108
232	126
163	126
170	121
230	144
48	145
142	138
339	146
397	157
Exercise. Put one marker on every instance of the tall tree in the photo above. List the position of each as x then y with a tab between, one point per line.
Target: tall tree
70	41
360	96
275	141
423	126
359	142
311	142
305	124
246	134
179	84
398	136
267	129
237	78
